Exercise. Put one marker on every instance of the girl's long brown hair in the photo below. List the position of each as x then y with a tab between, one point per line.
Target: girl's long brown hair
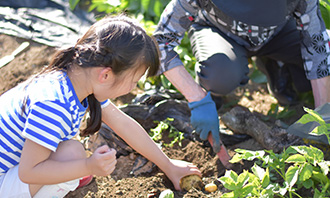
117	42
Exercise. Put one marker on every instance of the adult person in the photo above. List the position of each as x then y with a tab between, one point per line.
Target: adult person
288	37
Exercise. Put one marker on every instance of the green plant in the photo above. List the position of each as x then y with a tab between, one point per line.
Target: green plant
157	132
150	9
277	112
325	11
313	116
295	170
166	194
256	75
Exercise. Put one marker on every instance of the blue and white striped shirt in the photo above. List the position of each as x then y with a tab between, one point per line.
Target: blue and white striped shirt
52	114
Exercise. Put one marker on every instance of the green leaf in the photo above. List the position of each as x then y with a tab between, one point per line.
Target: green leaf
306	172
258	77
266	193
247	189
266	179
317	194
312	154
250	155
310	117
166	194
149	7
236	158
229	195
158	8
308	183
297	158
228	183
242	179
320	177
291	175
232	175
324	165
135	5
254	179
286	113
258	171
325	11
320	130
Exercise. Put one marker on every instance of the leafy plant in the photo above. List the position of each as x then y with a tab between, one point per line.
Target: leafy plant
256	75
283	175
166	194
325	11
278	112
313	116
157	133
150	10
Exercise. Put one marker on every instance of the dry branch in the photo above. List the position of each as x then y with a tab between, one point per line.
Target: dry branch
241	121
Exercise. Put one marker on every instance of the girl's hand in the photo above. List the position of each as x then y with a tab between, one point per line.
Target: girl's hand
103	161
179	169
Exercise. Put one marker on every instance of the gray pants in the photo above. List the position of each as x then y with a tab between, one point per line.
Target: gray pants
222	64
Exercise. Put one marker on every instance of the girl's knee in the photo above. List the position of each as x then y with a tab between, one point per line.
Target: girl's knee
69	150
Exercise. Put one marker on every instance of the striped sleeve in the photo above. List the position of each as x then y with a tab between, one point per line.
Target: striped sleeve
48	123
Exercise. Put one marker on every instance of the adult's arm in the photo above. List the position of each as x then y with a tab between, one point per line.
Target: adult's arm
321	91
184	82
175	20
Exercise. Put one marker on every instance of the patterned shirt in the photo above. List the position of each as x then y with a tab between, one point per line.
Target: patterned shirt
52	114
179	15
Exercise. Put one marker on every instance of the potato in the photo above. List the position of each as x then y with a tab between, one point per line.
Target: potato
211	187
189	181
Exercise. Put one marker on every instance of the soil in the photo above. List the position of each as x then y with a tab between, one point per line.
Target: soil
121	183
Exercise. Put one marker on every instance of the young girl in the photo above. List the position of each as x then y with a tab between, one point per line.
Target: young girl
39	117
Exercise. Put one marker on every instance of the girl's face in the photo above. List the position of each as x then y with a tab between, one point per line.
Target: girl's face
118	85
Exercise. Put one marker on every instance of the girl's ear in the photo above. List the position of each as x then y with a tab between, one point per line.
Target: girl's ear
105	74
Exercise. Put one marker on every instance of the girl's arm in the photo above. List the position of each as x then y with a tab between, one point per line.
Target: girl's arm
37	166
134	135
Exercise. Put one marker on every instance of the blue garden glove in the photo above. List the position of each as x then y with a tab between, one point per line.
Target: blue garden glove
204	118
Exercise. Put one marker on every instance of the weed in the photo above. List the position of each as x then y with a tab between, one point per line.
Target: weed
157	132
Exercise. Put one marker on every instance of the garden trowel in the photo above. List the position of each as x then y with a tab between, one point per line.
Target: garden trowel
223	155
6	59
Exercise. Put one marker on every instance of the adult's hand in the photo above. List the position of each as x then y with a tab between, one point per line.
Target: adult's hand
204	118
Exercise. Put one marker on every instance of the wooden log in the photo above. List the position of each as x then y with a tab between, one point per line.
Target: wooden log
241	121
